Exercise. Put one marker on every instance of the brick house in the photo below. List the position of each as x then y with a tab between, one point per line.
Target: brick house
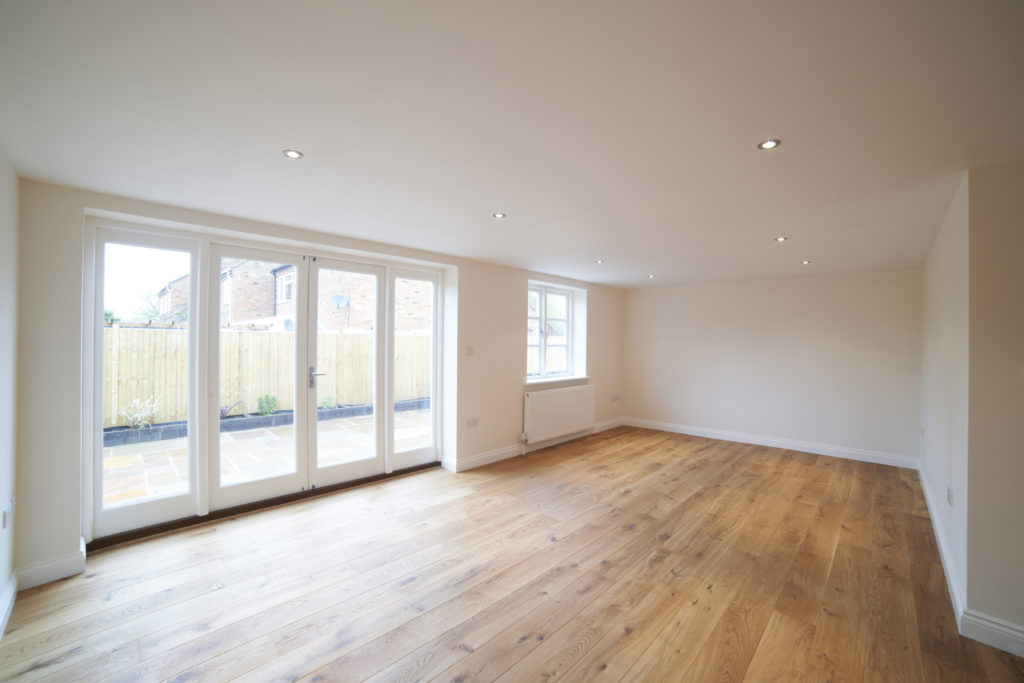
172	302
260	294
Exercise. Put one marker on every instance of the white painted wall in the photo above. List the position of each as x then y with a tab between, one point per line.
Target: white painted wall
995	519
492	313
8	366
491	309
944	381
828	363
47	532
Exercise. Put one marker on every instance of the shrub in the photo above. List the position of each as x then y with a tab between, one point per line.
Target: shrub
266	404
140	414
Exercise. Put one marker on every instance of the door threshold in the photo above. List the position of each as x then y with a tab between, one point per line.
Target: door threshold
196	520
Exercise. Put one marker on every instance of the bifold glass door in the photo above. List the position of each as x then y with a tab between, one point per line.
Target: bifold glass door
413	369
345	379
285	372
144	409
258	449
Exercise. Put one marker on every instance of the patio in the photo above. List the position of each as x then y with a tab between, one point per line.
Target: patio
143	471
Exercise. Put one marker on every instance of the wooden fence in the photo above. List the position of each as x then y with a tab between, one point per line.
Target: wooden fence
143	363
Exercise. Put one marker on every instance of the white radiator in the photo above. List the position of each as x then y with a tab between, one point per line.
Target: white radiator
558	412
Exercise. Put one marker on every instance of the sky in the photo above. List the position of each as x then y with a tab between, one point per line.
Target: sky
132	273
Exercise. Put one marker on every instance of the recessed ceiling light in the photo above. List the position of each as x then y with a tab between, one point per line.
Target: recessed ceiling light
769	144
600	260
651	276
781	238
293	154
498	214
805	262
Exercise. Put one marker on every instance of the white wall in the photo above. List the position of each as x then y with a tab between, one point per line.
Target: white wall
828	363
47	538
8	365
491	309
944	381
995	563
492	319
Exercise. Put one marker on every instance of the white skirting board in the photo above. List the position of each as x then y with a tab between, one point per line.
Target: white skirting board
498	454
609	424
957	590
540	445
992	631
51	570
7	596
878	457
481	459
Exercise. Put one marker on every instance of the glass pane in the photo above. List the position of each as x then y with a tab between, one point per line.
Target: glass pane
533	331
558	306
556	332
257	372
532	364
556	359
414	363
145	373
533	303
346	328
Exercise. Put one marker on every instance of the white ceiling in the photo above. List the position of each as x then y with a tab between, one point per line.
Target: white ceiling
622	130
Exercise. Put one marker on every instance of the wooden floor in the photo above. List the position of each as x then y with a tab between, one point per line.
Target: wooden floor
629	555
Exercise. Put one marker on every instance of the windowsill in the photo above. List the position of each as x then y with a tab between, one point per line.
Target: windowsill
555	380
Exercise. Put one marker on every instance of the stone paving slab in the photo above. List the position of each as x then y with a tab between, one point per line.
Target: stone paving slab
143	471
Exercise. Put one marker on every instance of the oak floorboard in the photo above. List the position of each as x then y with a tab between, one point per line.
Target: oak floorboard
728	650
782	653
631	555
494	653
673	650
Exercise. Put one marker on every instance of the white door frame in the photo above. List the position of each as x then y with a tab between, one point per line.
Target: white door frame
221	497
431	453
371	466
134	515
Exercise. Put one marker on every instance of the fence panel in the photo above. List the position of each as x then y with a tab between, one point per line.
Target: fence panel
141	363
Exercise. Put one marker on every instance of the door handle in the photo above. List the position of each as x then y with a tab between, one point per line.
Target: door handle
313	374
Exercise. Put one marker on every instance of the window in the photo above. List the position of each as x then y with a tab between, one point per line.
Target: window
552	339
164	299
225	298
285	287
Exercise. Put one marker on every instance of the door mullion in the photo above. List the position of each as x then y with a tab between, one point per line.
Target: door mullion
387	370
199	414
302	362
312	360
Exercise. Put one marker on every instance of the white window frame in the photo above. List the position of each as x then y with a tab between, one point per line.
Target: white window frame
575	333
286	287
225	299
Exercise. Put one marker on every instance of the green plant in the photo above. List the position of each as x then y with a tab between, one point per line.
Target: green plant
140	414
266	404
327	402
